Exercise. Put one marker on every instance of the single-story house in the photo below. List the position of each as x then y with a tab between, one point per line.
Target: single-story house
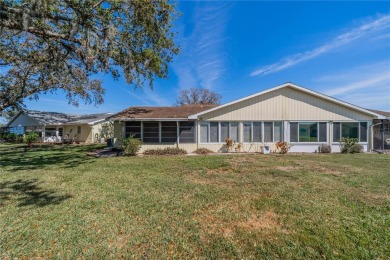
300	116
56	127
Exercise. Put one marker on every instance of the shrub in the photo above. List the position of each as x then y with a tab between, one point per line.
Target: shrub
282	147
324	148
30	137
131	145
203	151
350	145
165	151
229	144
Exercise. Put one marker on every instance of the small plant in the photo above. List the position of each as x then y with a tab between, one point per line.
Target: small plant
165	151
282	147
350	145
238	147
203	151
324	148
131	145
30	137
229	144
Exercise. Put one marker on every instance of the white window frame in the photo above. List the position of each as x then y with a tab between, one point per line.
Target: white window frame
318	132
358	122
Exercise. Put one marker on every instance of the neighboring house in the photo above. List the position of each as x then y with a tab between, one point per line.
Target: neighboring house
290	113
55	127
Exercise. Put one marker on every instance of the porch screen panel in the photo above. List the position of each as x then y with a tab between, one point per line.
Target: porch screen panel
293	132
336	132
234	131
151	132
323	133
268	132
134	129
278	131
187	132
203	132
256	132
350	130
224	131
363	131
214	132
247	128
168	132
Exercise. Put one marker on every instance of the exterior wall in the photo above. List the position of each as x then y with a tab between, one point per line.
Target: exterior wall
24	120
85	136
96	131
286	104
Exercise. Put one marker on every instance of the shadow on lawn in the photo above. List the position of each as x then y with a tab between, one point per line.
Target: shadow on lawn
30	192
23	158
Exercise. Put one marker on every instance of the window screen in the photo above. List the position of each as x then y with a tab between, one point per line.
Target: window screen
247	128
268	132
224	131
168	132
187	132
256	131
214	132
203	132
293	132
234	131
278	131
323	133
350	130
363	131
336	132
151	132
133	128
308	132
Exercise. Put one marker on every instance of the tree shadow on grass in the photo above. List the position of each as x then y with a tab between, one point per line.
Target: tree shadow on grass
29	193
23	158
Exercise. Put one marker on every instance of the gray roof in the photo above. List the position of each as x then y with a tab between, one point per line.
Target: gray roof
55	118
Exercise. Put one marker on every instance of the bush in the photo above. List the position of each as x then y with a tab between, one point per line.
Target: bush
131	145
203	151
350	145
324	148
30	137
282	147
165	151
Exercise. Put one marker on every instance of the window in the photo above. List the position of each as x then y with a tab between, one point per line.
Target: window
357	130
224	131
204	132
168	132
214	132
268	133
151	132
278	131
134	129
247	128
79	129
186	132
233	131
60	132
50	131
307	132
256	132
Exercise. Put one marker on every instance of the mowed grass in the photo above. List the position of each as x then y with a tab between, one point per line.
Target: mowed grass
57	202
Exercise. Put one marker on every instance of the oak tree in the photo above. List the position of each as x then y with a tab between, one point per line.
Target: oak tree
198	96
48	45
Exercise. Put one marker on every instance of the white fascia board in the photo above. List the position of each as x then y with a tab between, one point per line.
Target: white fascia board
149	119
314	93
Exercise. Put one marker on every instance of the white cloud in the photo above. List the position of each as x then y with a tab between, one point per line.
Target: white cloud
340	40
202	60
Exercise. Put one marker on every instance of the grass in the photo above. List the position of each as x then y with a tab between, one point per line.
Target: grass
56	202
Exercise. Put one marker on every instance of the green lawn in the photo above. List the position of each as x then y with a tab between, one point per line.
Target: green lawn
56	202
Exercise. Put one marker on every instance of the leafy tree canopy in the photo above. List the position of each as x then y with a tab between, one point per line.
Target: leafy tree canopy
48	45
198	96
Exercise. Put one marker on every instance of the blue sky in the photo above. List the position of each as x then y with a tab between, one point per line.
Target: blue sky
239	48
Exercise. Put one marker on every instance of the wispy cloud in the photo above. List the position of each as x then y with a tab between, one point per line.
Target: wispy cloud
353	34
202	59
367	86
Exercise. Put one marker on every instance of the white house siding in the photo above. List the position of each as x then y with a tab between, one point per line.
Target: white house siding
84	137
286	104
